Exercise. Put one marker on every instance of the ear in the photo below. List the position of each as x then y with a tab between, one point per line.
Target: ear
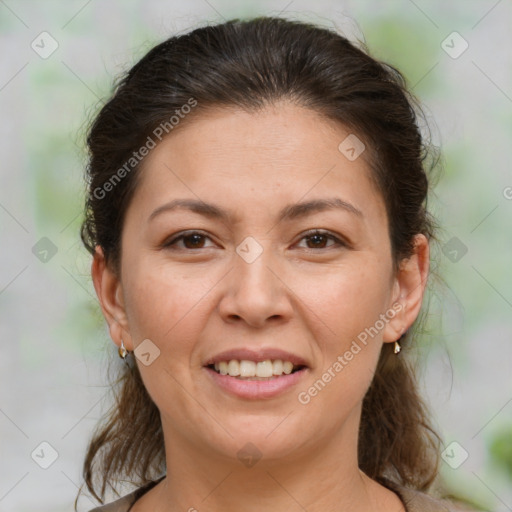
408	289
110	294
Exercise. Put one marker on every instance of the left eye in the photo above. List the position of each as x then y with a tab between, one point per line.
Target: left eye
320	238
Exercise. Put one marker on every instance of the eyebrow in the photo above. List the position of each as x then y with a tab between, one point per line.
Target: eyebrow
288	213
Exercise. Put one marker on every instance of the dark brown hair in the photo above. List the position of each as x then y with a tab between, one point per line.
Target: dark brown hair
250	64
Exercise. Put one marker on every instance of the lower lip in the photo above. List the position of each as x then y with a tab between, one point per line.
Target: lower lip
256	389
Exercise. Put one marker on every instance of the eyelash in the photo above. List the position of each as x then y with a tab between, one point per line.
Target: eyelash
308	235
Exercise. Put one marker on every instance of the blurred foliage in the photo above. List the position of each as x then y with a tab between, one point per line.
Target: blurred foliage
500	449
405	46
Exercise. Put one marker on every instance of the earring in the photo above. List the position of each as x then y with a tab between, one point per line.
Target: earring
122	351
398	348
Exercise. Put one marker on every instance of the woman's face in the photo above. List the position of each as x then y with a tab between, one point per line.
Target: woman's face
236	273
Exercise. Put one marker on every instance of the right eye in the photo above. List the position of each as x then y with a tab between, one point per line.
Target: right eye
189	240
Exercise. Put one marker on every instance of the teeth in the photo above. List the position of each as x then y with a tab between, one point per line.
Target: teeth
277	367
287	367
246	368
265	369
223	368
234	368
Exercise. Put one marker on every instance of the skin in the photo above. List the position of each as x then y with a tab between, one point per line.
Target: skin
309	297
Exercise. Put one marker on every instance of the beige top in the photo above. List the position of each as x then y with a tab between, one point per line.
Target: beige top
414	501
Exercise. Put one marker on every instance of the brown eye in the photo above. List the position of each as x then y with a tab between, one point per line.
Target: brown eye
191	240
320	239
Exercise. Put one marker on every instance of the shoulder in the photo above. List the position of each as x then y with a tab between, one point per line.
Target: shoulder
125	503
121	505
417	501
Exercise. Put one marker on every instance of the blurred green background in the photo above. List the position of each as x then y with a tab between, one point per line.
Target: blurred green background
55	346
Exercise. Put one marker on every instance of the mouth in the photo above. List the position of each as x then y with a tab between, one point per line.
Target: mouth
255	370
256	375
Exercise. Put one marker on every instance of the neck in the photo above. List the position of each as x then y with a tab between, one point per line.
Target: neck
323	478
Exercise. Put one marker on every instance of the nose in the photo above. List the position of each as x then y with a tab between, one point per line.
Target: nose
256	293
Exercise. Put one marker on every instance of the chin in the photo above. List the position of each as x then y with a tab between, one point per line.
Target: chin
266	435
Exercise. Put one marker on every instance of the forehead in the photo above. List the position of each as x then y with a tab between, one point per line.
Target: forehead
280	154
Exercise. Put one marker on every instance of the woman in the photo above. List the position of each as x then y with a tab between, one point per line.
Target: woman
256	215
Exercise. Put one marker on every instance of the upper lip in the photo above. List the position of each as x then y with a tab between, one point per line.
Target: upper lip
258	355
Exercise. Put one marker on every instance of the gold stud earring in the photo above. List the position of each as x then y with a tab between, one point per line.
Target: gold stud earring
398	348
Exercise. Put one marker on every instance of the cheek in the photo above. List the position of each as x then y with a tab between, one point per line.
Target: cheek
348	299
164	305
349	305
